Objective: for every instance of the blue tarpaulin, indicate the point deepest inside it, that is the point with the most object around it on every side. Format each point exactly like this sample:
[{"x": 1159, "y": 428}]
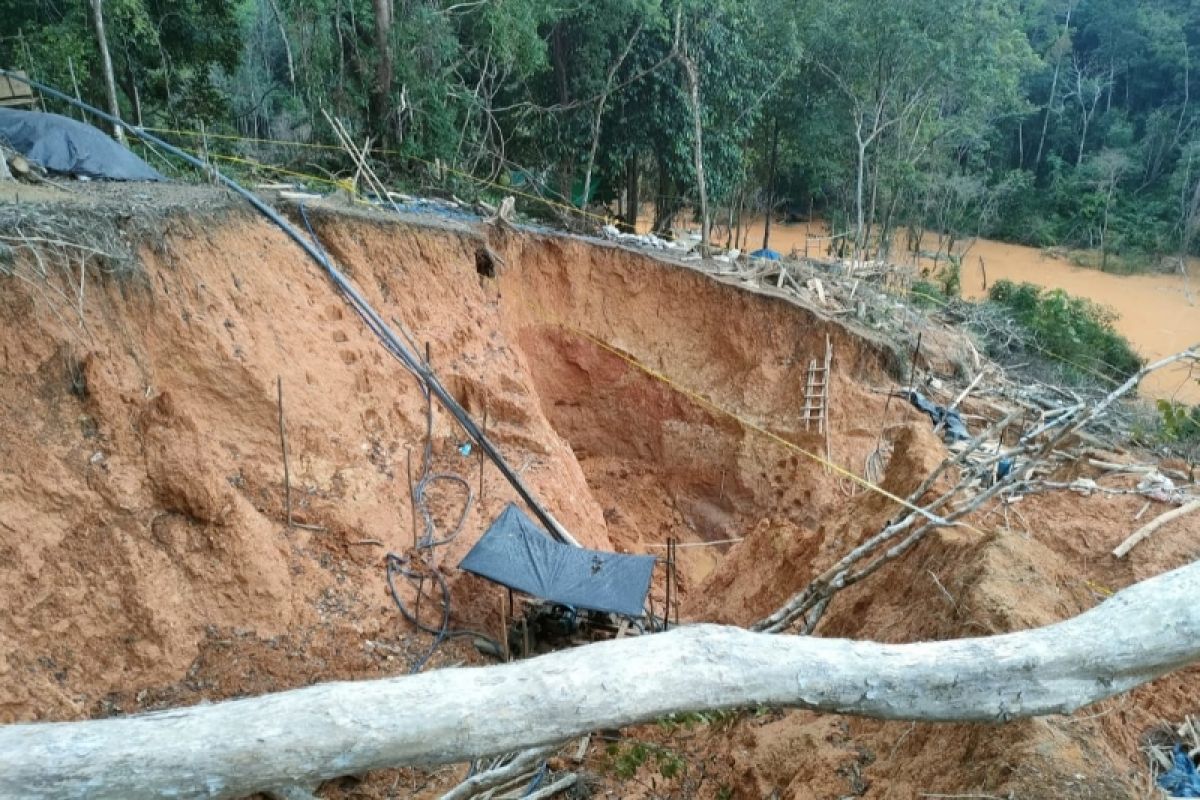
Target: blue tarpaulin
[
  {"x": 516, "y": 553},
  {"x": 769, "y": 255},
  {"x": 69, "y": 147},
  {"x": 1182, "y": 780}
]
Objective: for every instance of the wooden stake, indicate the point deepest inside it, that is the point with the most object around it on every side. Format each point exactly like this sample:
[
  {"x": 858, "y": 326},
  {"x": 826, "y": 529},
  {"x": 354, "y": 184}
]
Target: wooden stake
[
  {"x": 412, "y": 493},
  {"x": 75, "y": 83},
  {"x": 504, "y": 631},
  {"x": 485, "y": 421},
  {"x": 825, "y": 404},
  {"x": 287, "y": 477}
]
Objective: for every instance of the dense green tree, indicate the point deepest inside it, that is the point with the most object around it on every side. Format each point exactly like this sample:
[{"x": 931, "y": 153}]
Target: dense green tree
[{"x": 1068, "y": 122}]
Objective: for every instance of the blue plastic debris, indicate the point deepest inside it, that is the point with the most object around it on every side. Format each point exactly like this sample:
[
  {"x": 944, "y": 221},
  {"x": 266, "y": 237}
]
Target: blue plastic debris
[
  {"x": 1003, "y": 468},
  {"x": 1181, "y": 780},
  {"x": 464, "y": 449},
  {"x": 769, "y": 255}
]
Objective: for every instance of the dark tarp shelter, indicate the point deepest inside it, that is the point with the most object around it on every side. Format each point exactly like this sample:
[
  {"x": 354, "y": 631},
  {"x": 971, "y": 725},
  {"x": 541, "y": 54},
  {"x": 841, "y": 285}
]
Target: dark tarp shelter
[
  {"x": 516, "y": 553},
  {"x": 68, "y": 147}
]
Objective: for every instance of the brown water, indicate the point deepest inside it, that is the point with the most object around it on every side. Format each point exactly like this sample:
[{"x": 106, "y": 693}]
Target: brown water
[{"x": 1159, "y": 314}]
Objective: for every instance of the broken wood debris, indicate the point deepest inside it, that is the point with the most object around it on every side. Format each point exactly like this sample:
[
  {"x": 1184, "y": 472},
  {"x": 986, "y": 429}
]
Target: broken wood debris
[
  {"x": 974, "y": 487},
  {"x": 1149, "y": 528}
]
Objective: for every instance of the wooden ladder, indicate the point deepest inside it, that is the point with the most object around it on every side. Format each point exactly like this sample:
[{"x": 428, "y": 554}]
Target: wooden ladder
[{"x": 816, "y": 394}]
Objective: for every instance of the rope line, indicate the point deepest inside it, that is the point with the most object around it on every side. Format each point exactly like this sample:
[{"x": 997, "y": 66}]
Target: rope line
[
  {"x": 329, "y": 147},
  {"x": 751, "y": 425}
]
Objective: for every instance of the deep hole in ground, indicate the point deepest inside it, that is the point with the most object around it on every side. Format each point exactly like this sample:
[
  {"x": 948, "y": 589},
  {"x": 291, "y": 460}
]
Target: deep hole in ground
[{"x": 141, "y": 497}]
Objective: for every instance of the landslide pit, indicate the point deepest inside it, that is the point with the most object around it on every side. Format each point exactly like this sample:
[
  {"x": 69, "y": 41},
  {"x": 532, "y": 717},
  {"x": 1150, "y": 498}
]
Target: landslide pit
[{"x": 148, "y": 563}]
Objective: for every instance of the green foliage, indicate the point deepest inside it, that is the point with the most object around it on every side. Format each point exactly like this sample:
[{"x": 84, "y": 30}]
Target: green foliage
[
  {"x": 720, "y": 719},
  {"x": 966, "y": 117},
  {"x": 927, "y": 294},
  {"x": 950, "y": 277},
  {"x": 1179, "y": 423},
  {"x": 167, "y": 54},
  {"x": 1076, "y": 332}
]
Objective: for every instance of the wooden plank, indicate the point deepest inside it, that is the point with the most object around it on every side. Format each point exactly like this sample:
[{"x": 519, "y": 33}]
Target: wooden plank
[{"x": 15, "y": 92}]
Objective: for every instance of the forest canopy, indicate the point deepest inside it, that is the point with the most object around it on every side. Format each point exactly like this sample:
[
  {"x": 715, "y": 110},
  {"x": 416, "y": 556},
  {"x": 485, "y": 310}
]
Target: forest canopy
[{"x": 1047, "y": 122}]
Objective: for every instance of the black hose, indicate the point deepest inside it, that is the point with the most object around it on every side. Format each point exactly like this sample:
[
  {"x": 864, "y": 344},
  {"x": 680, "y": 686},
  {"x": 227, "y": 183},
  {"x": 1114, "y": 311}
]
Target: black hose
[{"x": 360, "y": 304}]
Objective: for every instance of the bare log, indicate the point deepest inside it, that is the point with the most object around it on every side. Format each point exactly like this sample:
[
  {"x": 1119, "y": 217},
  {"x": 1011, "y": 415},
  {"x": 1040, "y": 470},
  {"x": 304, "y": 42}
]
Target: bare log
[
  {"x": 1149, "y": 528},
  {"x": 239, "y": 747}
]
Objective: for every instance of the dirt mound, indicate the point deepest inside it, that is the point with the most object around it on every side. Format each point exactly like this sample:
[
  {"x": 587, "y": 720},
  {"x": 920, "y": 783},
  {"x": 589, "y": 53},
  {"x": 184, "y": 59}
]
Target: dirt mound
[{"x": 142, "y": 498}]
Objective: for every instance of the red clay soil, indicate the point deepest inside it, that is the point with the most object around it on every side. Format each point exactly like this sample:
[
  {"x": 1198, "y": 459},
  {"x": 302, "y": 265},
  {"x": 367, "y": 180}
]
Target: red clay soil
[{"x": 149, "y": 563}]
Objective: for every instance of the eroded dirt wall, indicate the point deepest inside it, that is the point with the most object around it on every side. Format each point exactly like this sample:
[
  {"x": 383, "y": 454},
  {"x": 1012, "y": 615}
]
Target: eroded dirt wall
[{"x": 141, "y": 480}]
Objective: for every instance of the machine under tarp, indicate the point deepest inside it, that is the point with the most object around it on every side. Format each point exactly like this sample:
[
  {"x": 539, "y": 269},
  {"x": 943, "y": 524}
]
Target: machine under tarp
[
  {"x": 516, "y": 553},
  {"x": 67, "y": 147}
]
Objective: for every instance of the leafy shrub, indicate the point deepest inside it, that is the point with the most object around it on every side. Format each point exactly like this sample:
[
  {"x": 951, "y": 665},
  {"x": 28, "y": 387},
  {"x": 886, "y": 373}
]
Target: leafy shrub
[
  {"x": 1179, "y": 423},
  {"x": 1072, "y": 330},
  {"x": 950, "y": 277},
  {"x": 926, "y": 294}
]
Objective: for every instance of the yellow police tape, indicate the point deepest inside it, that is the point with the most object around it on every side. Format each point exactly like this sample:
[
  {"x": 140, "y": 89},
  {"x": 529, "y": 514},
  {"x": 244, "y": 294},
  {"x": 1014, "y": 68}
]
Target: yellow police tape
[
  {"x": 316, "y": 146},
  {"x": 750, "y": 425}
]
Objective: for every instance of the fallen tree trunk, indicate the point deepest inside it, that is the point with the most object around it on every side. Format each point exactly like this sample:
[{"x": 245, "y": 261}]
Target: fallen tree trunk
[{"x": 235, "y": 748}]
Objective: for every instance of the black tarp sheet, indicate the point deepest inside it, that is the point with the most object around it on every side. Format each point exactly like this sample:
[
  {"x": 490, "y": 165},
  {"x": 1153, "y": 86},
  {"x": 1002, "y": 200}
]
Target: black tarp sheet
[
  {"x": 68, "y": 147},
  {"x": 516, "y": 553},
  {"x": 956, "y": 429}
]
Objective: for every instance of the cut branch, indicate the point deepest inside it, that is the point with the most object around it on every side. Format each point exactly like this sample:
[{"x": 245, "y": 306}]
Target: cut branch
[
  {"x": 239, "y": 747},
  {"x": 491, "y": 778},
  {"x": 1149, "y": 528}
]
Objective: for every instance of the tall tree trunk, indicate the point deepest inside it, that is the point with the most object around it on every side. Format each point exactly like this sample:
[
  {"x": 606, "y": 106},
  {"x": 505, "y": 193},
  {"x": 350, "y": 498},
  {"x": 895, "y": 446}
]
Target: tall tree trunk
[
  {"x": 558, "y": 57},
  {"x": 381, "y": 91},
  {"x": 599, "y": 113},
  {"x": 876, "y": 166},
  {"x": 632, "y": 200},
  {"x": 693, "y": 80},
  {"x": 287, "y": 45},
  {"x": 1037, "y": 161},
  {"x": 1112, "y": 76},
  {"x": 666, "y": 205},
  {"x": 239, "y": 747},
  {"x": 1087, "y": 118},
  {"x": 860, "y": 179},
  {"x": 110, "y": 82},
  {"x": 772, "y": 161}
]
